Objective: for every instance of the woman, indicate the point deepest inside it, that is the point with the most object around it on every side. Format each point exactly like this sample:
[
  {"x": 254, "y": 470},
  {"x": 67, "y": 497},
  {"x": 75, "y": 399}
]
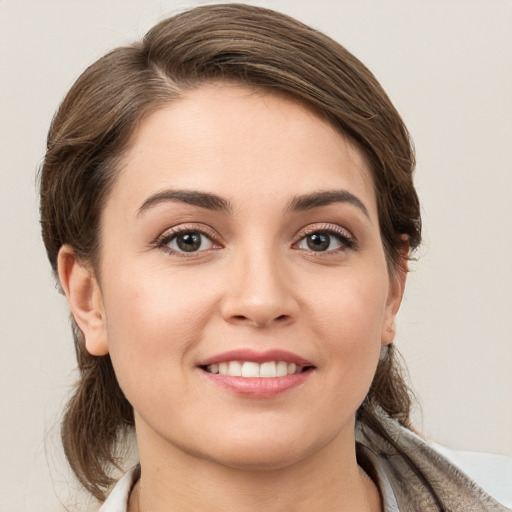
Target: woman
[{"x": 229, "y": 208}]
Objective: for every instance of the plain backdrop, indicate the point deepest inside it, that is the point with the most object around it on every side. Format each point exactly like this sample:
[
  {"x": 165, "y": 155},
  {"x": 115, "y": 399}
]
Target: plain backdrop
[{"x": 446, "y": 64}]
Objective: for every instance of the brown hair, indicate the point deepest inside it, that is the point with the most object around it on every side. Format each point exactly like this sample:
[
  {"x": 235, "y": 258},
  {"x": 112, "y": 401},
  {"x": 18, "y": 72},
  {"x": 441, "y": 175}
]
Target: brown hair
[{"x": 92, "y": 129}]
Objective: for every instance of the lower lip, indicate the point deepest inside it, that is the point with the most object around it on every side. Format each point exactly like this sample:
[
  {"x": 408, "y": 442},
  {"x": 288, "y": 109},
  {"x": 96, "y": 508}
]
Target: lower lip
[{"x": 258, "y": 387}]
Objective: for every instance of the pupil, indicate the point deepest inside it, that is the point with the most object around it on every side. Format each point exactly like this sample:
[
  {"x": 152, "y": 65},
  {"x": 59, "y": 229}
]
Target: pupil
[
  {"x": 189, "y": 242},
  {"x": 318, "y": 241}
]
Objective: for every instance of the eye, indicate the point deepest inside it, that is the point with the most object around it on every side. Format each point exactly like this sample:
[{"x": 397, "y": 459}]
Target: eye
[
  {"x": 325, "y": 241},
  {"x": 186, "y": 241}
]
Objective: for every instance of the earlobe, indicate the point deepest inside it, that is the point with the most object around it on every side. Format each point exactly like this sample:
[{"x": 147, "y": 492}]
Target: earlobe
[{"x": 85, "y": 300}]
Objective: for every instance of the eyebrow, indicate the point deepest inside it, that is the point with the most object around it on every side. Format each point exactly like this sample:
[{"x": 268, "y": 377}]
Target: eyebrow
[
  {"x": 325, "y": 198},
  {"x": 218, "y": 203},
  {"x": 192, "y": 197}
]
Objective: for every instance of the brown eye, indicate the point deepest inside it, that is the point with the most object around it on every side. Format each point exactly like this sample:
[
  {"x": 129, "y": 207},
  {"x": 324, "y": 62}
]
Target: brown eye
[
  {"x": 324, "y": 241},
  {"x": 189, "y": 241},
  {"x": 318, "y": 241}
]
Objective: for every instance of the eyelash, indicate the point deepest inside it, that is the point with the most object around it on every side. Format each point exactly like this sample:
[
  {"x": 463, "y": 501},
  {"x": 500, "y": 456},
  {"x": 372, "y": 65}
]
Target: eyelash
[
  {"x": 341, "y": 235},
  {"x": 166, "y": 238}
]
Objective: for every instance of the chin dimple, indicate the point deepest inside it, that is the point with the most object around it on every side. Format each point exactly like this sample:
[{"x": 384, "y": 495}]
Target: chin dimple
[{"x": 251, "y": 369}]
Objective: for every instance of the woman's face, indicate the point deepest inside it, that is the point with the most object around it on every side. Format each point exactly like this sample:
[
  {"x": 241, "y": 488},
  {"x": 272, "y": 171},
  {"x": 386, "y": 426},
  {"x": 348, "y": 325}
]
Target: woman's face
[{"x": 242, "y": 239}]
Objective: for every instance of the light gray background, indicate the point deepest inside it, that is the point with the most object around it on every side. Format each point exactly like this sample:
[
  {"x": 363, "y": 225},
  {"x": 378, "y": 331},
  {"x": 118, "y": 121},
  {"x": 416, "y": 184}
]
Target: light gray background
[{"x": 447, "y": 66}]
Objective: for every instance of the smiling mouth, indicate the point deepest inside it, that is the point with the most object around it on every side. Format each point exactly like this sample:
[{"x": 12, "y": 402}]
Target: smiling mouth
[{"x": 251, "y": 369}]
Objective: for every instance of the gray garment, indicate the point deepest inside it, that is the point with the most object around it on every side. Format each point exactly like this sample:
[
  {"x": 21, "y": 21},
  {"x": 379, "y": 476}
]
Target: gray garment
[
  {"x": 410, "y": 474},
  {"x": 413, "y": 477}
]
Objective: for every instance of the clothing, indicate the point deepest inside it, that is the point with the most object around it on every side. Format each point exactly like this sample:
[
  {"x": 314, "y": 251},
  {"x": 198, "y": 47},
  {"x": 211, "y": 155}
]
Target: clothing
[{"x": 411, "y": 474}]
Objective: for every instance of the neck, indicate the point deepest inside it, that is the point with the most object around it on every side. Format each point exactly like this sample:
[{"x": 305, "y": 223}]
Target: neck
[{"x": 328, "y": 480}]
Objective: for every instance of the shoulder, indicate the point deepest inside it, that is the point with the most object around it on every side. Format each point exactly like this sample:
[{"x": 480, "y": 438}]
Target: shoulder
[
  {"x": 490, "y": 471},
  {"x": 427, "y": 476}
]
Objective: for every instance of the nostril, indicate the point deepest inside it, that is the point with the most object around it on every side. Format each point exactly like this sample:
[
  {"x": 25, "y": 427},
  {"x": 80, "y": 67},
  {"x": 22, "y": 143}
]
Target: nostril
[{"x": 281, "y": 319}]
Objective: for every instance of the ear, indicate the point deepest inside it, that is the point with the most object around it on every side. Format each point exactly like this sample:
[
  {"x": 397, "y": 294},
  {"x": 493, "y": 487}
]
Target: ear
[
  {"x": 85, "y": 300},
  {"x": 397, "y": 281}
]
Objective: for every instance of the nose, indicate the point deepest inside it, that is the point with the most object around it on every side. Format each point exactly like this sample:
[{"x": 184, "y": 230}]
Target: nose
[{"x": 259, "y": 292}]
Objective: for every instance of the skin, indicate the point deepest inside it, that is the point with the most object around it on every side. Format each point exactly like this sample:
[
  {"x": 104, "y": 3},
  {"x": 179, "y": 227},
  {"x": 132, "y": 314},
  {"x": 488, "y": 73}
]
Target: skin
[{"x": 256, "y": 285}]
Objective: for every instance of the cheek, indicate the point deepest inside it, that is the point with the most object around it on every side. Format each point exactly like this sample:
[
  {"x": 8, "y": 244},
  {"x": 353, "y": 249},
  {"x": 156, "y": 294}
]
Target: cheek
[
  {"x": 352, "y": 308},
  {"x": 153, "y": 324},
  {"x": 348, "y": 322},
  {"x": 153, "y": 301}
]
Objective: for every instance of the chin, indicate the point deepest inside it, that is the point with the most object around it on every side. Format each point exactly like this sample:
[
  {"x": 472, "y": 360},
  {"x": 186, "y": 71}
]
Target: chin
[
  {"x": 264, "y": 450},
  {"x": 257, "y": 458}
]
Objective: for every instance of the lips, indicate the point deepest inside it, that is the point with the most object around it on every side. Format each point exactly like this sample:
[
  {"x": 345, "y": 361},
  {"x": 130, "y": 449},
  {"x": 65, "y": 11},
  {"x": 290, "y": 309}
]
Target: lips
[
  {"x": 257, "y": 374},
  {"x": 251, "y": 369},
  {"x": 256, "y": 357}
]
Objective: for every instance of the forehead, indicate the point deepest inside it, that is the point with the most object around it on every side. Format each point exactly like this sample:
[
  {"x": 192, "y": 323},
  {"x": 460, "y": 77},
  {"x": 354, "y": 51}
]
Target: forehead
[{"x": 235, "y": 141}]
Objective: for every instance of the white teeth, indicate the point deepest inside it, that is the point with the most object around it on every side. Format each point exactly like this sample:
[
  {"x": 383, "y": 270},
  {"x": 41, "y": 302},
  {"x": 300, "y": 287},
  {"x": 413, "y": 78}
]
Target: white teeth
[
  {"x": 282, "y": 368},
  {"x": 268, "y": 369},
  {"x": 235, "y": 369},
  {"x": 223, "y": 368},
  {"x": 251, "y": 369}
]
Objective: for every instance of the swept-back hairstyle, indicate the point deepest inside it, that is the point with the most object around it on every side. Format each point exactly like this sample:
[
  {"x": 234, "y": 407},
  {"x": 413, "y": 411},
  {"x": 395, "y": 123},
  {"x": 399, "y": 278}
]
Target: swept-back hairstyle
[{"x": 93, "y": 128}]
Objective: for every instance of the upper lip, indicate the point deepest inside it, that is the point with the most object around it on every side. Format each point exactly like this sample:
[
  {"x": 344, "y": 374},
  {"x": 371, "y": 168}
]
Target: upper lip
[{"x": 256, "y": 356}]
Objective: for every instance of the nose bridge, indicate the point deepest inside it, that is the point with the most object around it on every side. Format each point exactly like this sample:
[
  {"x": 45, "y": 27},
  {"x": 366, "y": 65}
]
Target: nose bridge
[{"x": 260, "y": 290}]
